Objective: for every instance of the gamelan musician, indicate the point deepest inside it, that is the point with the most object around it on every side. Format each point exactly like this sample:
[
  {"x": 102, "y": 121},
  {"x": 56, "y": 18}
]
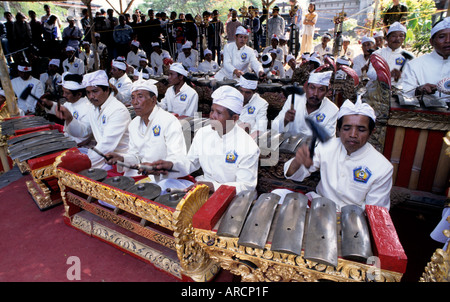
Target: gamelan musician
[
  {"x": 226, "y": 154},
  {"x": 154, "y": 133},
  {"x": 423, "y": 74},
  {"x": 313, "y": 103},
  {"x": 352, "y": 171},
  {"x": 108, "y": 121}
]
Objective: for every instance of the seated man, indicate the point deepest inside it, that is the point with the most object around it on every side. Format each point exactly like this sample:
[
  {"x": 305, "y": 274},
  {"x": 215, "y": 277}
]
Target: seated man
[
  {"x": 135, "y": 54},
  {"x": 226, "y": 154},
  {"x": 275, "y": 48},
  {"x": 51, "y": 79},
  {"x": 157, "y": 58},
  {"x": 154, "y": 133},
  {"x": 73, "y": 64},
  {"x": 352, "y": 171},
  {"x": 323, "y": 48},
  {"x": 421, "y": 75},
  {"x": 361, "y": 60},
  {"x": 238, "y": 58},
  {"x": 313, "y": 104},
  {"x": 188, "y": 57},
  {"x": 254, "y": 112},
  {"x": 272, "y": 66},
  {"x": 77, "y": 106},
  {"x": 21, "y": 82},
  {"x": 208, "y": 65},
  {"x": 291, "y": 65},
  {"x": 180, "y": 98},
  {"x": 108, "y": 122},
  {"x": 120, "y": 80}
]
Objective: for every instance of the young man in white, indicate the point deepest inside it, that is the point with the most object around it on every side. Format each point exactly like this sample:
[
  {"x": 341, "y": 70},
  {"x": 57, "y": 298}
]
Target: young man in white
[
  {"x": 188, "y": 57},
  {"x": 157, "y": 58},
  {"x": 208, "y": 65},
  {"x": 226, "y": 154},
  {"x": 352, "y": 171},
  {"x": 180, "y": 98},
  {"x": 120, "y": 80},
  {"x": 154, "y": 133},
  {"x": 21, "y": 82},
  {"x": 313, "y": 104},
  {"x": 108, "y": 121},
  {"x": 73, "y": 64}
]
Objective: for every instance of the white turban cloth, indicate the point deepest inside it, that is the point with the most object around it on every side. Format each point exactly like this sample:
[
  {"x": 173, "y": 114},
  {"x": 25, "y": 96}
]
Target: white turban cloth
[
  {"x": 247, "y": 84},
  {"x": 241, "y": 31},
  {"x": 54, "y": 62},
  {"x": 96, "y": 78},
  {"x": 71, "y": 85},
  {"x": 142, "y": 84},
  {"x": 367, "y": 39},
  {"x": 320, "y": 78},
  {"x": 120, "y": 65},
  {"x": 289, "y": 57},
  {"x": 348, "y": 108},
  {"x": 24, "y": 68},
  {"x": 396, "y": 26},
  {"x": 444, "y": 24},
  {"x": 228, "y": 97},
  {"x": 178, "y": 67}
]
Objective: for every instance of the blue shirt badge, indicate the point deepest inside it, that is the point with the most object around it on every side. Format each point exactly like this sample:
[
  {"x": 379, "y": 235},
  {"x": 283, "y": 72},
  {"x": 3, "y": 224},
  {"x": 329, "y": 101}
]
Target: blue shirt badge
[
  {"x": 231, "y": 157},
  {"x": 183, "y": 97},
  {"x": 103, "y": 119},
  {"x": 75, "y": 115},
  {"x": 399, "y": 60},
  {"x": 251, "y": 110},
  {"x": 156, "y": 130},
  {"x": 362, "y": 174},
  {"x": 243, "y": 56},
  {"x": 320, "y": 117}
]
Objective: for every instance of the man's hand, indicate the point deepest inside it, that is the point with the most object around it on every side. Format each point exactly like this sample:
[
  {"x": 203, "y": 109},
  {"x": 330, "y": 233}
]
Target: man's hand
[
  {"x": 302, "y": 158},
  {"x": 237, "y": 73},
  {"x": 396, "y": 74},
  {"x": 158, "y": 167},
  {"x": 426, "y": 89},
  {"x": 64, "y": 114},
  {"x": 289, "y": 116},
  {"x": 113, "y": 158}
]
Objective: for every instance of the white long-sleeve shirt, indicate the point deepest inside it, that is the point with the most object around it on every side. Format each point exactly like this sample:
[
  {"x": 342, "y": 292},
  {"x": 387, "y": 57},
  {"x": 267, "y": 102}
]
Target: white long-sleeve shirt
[
  {"x": 325, "y": 116},
  {"x": 183, "y": 103},
  {"x": 157, "y": 61},
  {"x": 242, "y": 59},
  {"x": 228, "y": 160},
  {"x": 189, "y": 62},
  {"x": 77, "y": 66},
  {"x": 162, "y": 138},
  {"x": 206, "y": 66},
  {"x": 109, "y": 125},
  {"x": 123, "y": 85},
  {"x": 428, "y": 68},
  {"x": 255, "y": 113},
  {"x": 19, "y": 86},
  {"x": 363, "y": 177}
]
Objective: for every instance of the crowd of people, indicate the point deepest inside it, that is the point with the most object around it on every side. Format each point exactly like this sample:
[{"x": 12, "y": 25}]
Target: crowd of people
[{"x": 114, "y": 63}]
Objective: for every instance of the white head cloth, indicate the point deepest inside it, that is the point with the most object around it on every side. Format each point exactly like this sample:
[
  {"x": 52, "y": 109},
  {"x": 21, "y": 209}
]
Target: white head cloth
[
  {"x": 136, "y": 73},
  {"x": 24, "y": 68},
  {"x": 207, "y": 51},
  {"x": 266, "y": 59},
  {"x": 71, "y": 85},
  {"x": 120, "y": 65},
  {"x": 396, "y": 26},
  {"x": 367, "y": 39},
  {"x": 186, "y": 45},
  {"x": 348, "y": 108},
  {"x": 178, "y": 67},
  {"x": 289, "y": 57},
  {"x": 54, "y": 62},
  {"x": 135, "y": 43},
  {"x": 378, "y": 34},
  {"x": 274, "y": 36},
  {"x": 70, "y": 48},
  {"x": 241, "y": 31},
  {"x": 313, "y": 57},
  {"x": 320, "y": 78},
  {"x": 444, "y": 24},
  {"x": 155, "y": 44},
  {"x": 142, "y": 84},
  {"x": 343, "y": 61},
  {"x": 247, "y": 84},
  {"x": 228, "y": 97},
  {"x": 96, "y": 78}
]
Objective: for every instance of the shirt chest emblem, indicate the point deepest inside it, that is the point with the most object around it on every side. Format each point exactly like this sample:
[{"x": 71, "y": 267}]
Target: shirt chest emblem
[
  {"x": 399, "y": 61},
  {"x": 183, "y": 97},
  {"x": 244, "y": 56},
  {"x": 361, "y": 174},
  {"x": 251, "y": 110},
  {"x": 103, "y": 119},
  {"x": 320, "y": 117},
  {"x": 156, "y": 130},
  {"x": 231, "y": 157},
  {"x": 75, "y": 115}
]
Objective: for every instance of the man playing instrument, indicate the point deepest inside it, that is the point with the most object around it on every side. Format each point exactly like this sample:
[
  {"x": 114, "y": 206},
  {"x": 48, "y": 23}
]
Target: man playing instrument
[{"x": 352, "y": 171}]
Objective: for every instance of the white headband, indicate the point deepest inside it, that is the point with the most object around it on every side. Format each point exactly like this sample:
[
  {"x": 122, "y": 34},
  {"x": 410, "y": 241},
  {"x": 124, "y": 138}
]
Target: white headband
[
  {"x": 96, "y": 78},
  {"x": 186, "y": 45},
  {"x": 54, "y": 62},
  {"x": 135, "y": 43},
  {"x": 207, "y": 51},
  {"x": 348, "y": 108},
  {"x": 71, "y": 85},
  {"x": 142, "y": 84},
  {"x": 444, "y": 24},
  {"x": 396, "y": 26},
  {"x": 367, "y": 39},
  {"x": 267, "y": 59},
  {"x": 178, "y": 67},
  {"x": 228, "y": 97},
  {"x": 24, "y": 68},
  {"x": 320, "y": 78},
  {"x": 241, "y": 31},
  {"x": 120, "y": 65},
  {"x": 343, "y": 61},
  {"x": 247, "y": 84},
  {"x": 289, "y": 57}
]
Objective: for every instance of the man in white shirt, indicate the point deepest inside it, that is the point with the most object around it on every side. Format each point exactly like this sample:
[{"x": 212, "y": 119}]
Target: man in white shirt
[
  {"x": 77, "y": 106},
  {"x": 188, "y": 57},
  {"x": 208, "y": 65},
  {"x": 238, "y": 58},
  {"x": 226, "y": 154},
  {"x": 135, "y": 54},
  {"x": 51, "y": 79},
  {"x": 108, "y": 121},
  {"x": 272, "y": 67},
  {"x": 362, "y": 60},
  {"x": 120, "y": 80},
  {"x": 73, "y": 64},
  {"x": 346, "y": 50},
  {"x": 323, "y": 48},
  {"x": 154, "y": 133},
  {"x": 423, "y": 74},
  {"x": 291, "y": 65},
  {"x": 21, "y": 82},
  {"x": 87, "y": 56},
  {"x": 157, "y": 58},
  {"x": 352, "y": 171},
  {"x": 254, "y": 113},
  {"x": 274, "y": 46},
  {"x": 180, "y": 98},
  {"x": 393, "y": 54},
  {"x": 313, "y": 104}
]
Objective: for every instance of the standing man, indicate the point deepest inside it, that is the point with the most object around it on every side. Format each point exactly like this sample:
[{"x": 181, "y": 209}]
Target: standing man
[
  {"x": 215, "y": 32},
  {"x": 232, "y": 26},
  {"x": 313, "y": 104},
  {"x": 208, "y": 65},
  {"x": 72, "y": 34},
  {"x": 352, "y": 171},
  {"x": 180, "y": 98},
  {"x": 275, "y": 24},
  {"x": 122, "y": 37},
  {"x": 398, "y": 12}
]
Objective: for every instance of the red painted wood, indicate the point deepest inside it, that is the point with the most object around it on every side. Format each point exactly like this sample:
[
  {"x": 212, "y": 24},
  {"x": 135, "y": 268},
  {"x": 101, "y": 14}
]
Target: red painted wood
[
  {"x": 208, "y": 215},
  {"x": 407, "y": 157},
  {"x": 386, "y": 244},
  {"x": 431, "y": 158},
  {"x": 389, "y": 142}
]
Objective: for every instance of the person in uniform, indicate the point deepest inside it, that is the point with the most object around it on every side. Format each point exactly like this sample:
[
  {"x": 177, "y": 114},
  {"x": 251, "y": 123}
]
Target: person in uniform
[
  {"x": 274, "y": 46},
  {"x": 21, "y": 82},
  {"x": 254, "y": 113},
  {"x": 108, "y": 121},
  {"x": 180, "y": 98},
  {"x": 272, "y": 67},
  {"x": 323, "y": 48},
  {"x": 226, "y": 154},
  {"x": 423, "y": 74},
  {"x": 393, "y": 53},
  {"x": 157, "y": 58},
  {"x": 87, "y": 55},
  {"x": 312, "y": 104},
  {"x": 77, "y": 106},
  {"x": 352, "y": 171},
  {"x": 154, "y": 133},
  {"x": 73, "y": 64},
  {"x": 379, "y": 39},
  {"x": 188, "y": 57},
  {"x": 120, "y": 80},
  {"x": 346, "y": 50},
  {"x": 238, "y": 58},
  {"x": 135, "y": 53},
  {"x": 208, "y": 65},
  {"x": 51, "y": 79},
  {"x": 361, "y": 60},
  {"x": 291, "y": 65}
]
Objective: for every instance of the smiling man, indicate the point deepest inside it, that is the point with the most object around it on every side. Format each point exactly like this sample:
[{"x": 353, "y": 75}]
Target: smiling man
[
  {"x": 352, "y": 171},
  {"x": 226, "y": 154},
  {"x": 313, "y": 103}
]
